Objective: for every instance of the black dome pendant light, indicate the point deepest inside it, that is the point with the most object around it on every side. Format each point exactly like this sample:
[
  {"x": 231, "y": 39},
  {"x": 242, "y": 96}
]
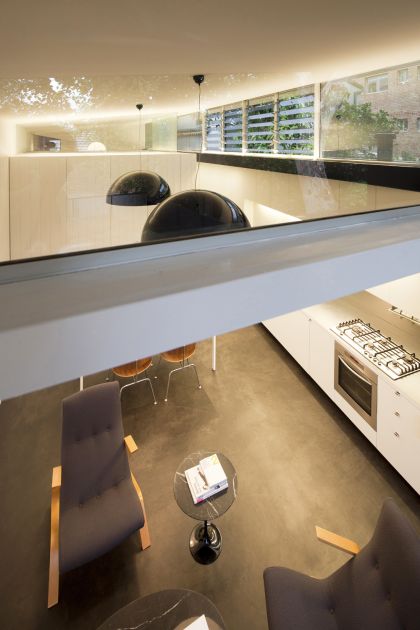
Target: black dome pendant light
[
  {"x": 195, "y": 211},
  {"x": 138, "y": 188}
]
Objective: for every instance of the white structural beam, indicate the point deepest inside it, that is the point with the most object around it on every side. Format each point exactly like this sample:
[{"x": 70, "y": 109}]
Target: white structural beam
[{"x": 56, "y": 327}]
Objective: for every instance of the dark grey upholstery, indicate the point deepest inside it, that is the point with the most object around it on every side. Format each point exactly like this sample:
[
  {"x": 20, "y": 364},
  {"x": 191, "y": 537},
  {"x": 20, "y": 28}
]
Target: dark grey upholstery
[
  {"x": 379, "y": 589},
  {"x": 99, "y": 506}
]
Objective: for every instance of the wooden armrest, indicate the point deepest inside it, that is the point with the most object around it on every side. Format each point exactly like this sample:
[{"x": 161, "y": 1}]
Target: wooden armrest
[
  {"x": 56, "y": 477},
  {"x": 345, "y": 544},
  {"x": 130, "y": 444}
]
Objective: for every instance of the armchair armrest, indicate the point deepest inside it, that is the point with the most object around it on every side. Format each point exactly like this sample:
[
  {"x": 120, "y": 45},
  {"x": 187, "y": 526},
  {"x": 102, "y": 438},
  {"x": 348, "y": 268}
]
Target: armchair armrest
[
  {"x": 56, "y": 477},
  {"x": 130, "y": 444},
  {"x": 54, "y": 538},
  {"x": 345, "y": 544}
]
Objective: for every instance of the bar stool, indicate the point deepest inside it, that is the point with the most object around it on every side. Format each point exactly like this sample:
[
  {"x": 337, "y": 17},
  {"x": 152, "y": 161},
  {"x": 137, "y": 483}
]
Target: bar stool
[
  {"x": 133, "y": 370},
  {"x": 182, "y": 356}
]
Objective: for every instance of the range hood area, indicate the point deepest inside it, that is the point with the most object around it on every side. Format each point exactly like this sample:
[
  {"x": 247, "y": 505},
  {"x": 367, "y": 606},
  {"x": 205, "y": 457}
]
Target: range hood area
[{"x": 403, "y": 295}]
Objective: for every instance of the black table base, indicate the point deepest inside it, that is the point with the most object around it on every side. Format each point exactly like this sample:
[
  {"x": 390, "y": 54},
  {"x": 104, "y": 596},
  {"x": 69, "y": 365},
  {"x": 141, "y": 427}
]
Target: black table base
[{"x": 205, "y": 543}]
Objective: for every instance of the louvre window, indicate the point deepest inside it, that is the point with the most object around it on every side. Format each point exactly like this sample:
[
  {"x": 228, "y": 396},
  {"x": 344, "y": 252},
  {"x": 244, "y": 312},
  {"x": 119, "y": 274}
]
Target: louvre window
[
  {"x": 296, "y": 123},
  {"x": 232, "y": 131},
  {"x": 214, "y": 131},
  {"x": 260, "y": 127}
]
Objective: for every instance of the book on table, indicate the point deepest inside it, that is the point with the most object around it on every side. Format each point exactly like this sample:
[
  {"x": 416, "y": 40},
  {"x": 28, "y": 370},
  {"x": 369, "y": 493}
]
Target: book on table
[
  {"x": 206, "y": 479},
  {"x": 198, "y": 624},
  {"x": 213, "y": 471}
]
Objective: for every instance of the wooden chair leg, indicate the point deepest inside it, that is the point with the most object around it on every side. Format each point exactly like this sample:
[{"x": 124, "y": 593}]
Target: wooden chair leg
[
  {"x": 54, "y": 575},
  {"x": 144, "y": 531}
]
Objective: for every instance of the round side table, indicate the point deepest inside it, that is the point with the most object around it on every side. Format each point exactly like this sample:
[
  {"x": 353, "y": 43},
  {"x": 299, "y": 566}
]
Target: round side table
[
  {"x": 166, "y": 610},
  {"x": 206, "y": 538}
]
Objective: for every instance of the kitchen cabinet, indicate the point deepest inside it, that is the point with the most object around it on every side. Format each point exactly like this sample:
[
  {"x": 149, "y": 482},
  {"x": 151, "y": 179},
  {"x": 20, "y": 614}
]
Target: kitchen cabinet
[
  {"x": 321, "y": 369},
  {"x": 292, "y": 330},
  {"x": 321, "y": 357},
  {"x": 311, "y": 343},
  {"x": 398, "y": 431}
]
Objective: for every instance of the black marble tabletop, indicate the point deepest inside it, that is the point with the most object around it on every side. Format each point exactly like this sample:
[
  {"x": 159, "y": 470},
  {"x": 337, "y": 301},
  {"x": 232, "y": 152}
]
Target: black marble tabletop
[
  {"x": 216, "y": 505},
  {"x": 165, "y": 610}
]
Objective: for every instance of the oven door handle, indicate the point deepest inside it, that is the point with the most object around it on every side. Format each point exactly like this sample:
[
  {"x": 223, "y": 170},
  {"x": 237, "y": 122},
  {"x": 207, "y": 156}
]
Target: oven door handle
[{"x": 365, "y": 380}]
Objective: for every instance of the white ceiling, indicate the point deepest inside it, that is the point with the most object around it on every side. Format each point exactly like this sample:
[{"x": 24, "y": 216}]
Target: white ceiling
[{"x": 245, "y": 49}]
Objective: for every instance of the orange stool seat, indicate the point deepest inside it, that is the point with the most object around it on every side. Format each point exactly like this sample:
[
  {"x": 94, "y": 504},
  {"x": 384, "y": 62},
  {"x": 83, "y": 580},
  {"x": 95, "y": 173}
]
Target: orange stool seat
[
  {"x": 177, "y": 355},
  {"x": 129, "y": 370}
]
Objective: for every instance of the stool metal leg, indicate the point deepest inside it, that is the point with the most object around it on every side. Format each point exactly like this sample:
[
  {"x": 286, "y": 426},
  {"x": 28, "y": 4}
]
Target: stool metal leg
[
  {"x": 136, "y": 382},
  {"x": 169, "y": 381},
  {"x": 183, "y": 367},
  {"x": 151, "y": 387},
  {"x": 196, "y": 373}
]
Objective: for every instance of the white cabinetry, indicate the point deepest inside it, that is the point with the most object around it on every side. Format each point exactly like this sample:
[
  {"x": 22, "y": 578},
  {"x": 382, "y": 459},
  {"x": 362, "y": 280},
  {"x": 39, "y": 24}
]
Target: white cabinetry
[
  {"x": 292, "y": 330},
  {"x": 398, "y": 437},
  {"x": 321, "y": 357},
  {"x": 398, "y": 419}
]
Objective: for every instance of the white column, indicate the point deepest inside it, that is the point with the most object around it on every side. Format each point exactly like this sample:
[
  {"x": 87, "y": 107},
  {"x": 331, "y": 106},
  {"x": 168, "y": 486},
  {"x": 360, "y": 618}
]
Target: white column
[{"x": 213, "y": 354}]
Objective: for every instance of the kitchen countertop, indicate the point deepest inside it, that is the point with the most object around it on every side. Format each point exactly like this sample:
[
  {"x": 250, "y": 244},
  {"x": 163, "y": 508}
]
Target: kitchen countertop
[{"x": 373, "y": 310}]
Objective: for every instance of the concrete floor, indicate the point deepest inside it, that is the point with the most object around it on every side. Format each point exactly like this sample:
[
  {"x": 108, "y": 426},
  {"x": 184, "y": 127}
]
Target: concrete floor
[{"x": 300, "y": 462}]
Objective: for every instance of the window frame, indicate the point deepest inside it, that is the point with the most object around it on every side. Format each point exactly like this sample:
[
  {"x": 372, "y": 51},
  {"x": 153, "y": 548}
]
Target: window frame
[
  {"x": 404, "y": 81},
  {"x": 377, "y": 79}
]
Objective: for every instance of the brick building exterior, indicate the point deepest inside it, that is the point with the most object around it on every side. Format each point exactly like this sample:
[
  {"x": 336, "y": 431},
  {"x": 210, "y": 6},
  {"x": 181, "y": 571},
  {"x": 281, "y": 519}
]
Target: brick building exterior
[{"x": 397, "y": 91}]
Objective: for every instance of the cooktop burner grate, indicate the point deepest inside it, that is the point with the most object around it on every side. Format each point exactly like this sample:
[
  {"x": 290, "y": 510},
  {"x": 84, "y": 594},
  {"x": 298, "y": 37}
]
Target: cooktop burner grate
[{"x": 382, "y": 351}]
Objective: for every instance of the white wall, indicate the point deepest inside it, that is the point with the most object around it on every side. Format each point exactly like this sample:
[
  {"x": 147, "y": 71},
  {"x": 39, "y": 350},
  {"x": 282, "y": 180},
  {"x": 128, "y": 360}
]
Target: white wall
[
  {"x": 7, "y": 148},
  {"x": 57, "y": 202},
  {"x": 403, "y": 293},
  {"x": 298, "y": 195}
]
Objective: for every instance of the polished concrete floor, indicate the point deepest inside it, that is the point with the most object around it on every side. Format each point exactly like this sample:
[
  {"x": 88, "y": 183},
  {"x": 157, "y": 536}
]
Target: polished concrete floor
[{"x": 300, "y": 462}]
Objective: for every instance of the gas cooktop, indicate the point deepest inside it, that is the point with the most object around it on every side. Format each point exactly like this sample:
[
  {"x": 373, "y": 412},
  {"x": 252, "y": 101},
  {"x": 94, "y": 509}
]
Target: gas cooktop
[{"x": 388, "y": 356}]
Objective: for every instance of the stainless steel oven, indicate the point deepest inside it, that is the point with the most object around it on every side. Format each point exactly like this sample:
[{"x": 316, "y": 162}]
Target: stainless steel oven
[{"x": 356, "y": 383}]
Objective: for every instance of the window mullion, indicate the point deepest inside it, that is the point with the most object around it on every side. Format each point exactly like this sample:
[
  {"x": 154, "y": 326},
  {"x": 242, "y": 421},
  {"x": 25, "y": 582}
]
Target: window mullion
[
  {"x": 276, "y": 124},
  {"x": 317, "y": 121},
  {"x": 244, "y": 127}
]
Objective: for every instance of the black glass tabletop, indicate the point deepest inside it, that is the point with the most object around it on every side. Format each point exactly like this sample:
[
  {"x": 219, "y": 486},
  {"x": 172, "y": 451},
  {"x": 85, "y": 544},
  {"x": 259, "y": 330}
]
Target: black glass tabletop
[
  {"x": 165, "y": 610},
  {"x": 217, "y": 504}
]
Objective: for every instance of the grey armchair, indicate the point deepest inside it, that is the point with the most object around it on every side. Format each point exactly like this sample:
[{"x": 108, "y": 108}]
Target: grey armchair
[
  {"x": 377, "y": 589},
  {"x": 96, "y": 501}
]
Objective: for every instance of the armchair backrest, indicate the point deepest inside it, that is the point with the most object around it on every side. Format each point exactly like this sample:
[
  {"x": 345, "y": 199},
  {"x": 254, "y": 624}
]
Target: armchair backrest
[
  {"x": 93, "y": 455},
  {"x": 395, "y": 550},
  {"x": 380, "y": 587}
]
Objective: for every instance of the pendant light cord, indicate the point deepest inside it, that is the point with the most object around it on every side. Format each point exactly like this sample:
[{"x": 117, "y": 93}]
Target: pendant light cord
[
  {"x": 201, "y": 136},
  {"x": 139, "y": 139}
]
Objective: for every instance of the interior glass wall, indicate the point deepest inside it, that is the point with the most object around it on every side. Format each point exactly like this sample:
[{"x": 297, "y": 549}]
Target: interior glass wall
[
  {"x": 373, "y": 117},
  {"x": 65, "y": 140}
]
